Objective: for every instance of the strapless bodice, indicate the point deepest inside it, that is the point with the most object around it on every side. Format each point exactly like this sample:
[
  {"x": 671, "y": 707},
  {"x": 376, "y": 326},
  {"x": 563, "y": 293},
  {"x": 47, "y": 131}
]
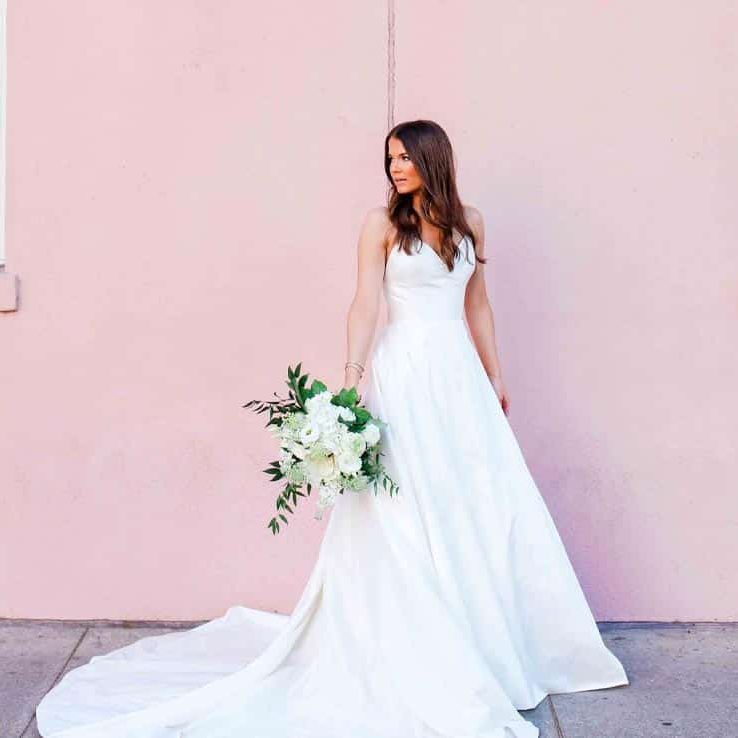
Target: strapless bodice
[{"x": 419, "y": 286}]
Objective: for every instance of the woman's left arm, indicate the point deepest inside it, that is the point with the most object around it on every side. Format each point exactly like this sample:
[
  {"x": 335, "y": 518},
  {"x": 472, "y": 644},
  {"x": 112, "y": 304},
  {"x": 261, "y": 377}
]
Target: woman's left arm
[{"x": 479, "y": 315}]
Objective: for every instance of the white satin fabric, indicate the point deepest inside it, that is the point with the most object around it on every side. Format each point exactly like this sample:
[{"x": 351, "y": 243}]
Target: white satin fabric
[{"x": 437, "y": 613}]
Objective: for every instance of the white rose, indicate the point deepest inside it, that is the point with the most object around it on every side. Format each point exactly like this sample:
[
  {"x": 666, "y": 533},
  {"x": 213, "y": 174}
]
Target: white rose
[
  {"x": 321, "y": 468},
  {"x": 349, "y": 463},
  {"x": 371, "y": 434}
]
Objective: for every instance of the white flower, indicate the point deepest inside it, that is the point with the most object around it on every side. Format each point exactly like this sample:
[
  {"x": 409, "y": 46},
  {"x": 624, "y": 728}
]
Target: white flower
[
  {"x": 322, "y": 413},
  {"x": 333, "y": 442},
  {"x": 346, "y": 413},
  {"x": 297, "y": 449},
  {"x": 286, "y": 459},
  {"x": 310, "y": 434},
  {"x": 349, "y": 463},
  {"x": 353, "y": 443},
  {"x": 371, "y": 434},
  {"x": 292, "y": 423},
  {"x": 356, "y": 482},
  {"x": 314, "y": 403},
  {"x": 326, "y": 419},
  {"x": 321, "y": 468},
  {"x": 327, "y": 494}
]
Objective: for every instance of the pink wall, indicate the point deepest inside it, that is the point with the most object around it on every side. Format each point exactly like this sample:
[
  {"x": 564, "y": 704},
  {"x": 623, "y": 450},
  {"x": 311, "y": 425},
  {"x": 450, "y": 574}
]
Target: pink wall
[{"x": 185, "y": 187}]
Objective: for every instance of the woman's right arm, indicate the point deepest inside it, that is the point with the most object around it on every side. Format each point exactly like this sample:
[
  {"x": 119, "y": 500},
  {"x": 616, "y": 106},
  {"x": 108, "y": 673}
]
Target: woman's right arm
[{"x": 362, "y": 314}]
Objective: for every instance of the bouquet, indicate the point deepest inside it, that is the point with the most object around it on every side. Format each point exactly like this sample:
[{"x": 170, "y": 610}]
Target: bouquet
[{"x": 329, "y": 441}]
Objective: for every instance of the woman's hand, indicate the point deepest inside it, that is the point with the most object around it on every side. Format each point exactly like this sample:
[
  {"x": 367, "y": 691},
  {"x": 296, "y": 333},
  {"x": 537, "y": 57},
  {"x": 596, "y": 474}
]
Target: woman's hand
[{"x": 501, "y": 392}]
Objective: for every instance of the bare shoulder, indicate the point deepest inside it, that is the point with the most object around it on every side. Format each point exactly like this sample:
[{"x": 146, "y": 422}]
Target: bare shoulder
[
  {"x": 377, "y": 218},
  {"x": 376, "y": 227}
]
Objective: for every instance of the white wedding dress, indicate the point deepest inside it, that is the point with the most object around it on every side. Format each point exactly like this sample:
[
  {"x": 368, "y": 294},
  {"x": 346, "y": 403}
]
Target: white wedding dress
[{"x": 435, "y": 613}]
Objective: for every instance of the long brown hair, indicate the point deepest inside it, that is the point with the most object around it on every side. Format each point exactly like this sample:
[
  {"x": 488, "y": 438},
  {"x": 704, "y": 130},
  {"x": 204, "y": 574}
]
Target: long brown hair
[{"x": 430, "y": 150}]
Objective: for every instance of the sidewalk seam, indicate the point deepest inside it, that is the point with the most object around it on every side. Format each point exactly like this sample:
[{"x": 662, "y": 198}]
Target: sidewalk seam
[
  {"x": 56, "y": 678},
  {"x": 557, "y": 724}
]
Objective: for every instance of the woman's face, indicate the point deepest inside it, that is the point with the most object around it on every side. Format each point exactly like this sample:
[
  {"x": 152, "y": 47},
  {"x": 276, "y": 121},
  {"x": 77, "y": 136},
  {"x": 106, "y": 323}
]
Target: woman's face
[{"x": 402, "y": 170}]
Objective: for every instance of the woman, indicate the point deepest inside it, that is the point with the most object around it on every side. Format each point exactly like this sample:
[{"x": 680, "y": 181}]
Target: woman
[{"x": 435, "y": 613}]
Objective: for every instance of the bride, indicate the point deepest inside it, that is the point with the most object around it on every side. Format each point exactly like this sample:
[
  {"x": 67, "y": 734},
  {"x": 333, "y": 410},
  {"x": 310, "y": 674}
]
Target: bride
[{"x": 438, "y": 612}]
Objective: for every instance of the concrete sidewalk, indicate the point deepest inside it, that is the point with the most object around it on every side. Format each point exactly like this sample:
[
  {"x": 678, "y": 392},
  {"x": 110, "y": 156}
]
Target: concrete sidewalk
[{"x": 684, "y": 677}]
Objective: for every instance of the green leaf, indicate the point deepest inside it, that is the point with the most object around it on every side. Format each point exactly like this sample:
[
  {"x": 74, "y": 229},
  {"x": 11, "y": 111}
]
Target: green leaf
[
  {"x": 317, "y": 387},
  {"x": 346, "y": 397}
]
